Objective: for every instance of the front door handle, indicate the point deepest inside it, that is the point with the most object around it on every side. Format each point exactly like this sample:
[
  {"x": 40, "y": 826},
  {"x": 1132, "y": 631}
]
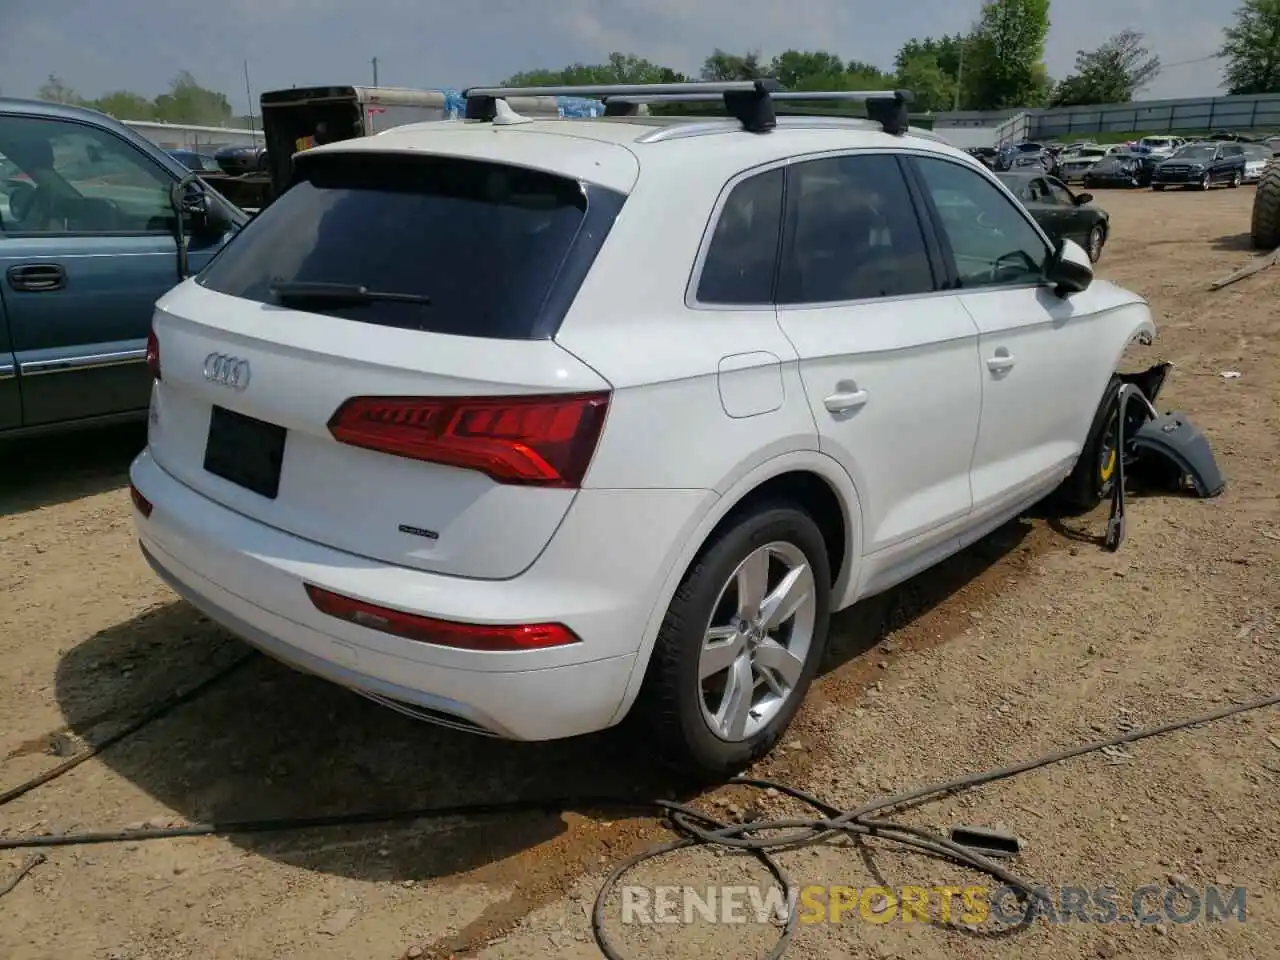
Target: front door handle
[
  {"x": 845, "y": 400},
  {"x": 1002, "y": 361},
  {"x": 37, "y": 277}
]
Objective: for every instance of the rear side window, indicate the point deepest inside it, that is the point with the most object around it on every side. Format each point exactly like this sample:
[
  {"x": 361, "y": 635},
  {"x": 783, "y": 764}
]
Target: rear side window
[
  {"x": 439, "y": 244},
  {"x": 743, "y": 255}
]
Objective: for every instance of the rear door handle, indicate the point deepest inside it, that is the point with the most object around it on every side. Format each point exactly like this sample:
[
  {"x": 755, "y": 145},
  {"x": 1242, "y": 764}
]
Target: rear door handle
[
  {"x": 37, "y": 277},
  {"x": 1002, "y": 361},
  {"x": 845, "y": 401}
]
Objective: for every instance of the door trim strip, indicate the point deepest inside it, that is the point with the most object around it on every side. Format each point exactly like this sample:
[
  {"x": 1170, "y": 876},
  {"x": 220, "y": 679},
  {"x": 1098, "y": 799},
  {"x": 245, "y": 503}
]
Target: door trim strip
[{"x": 88, "y": 361}]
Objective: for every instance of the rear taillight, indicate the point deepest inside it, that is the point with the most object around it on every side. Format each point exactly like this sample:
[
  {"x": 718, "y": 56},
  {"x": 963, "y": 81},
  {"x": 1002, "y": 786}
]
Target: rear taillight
[
  {"x": 153, "y": 355},
  {"x": 139, "y": 501},
  {"x": 462, "y": 636},
  {"x": 543, "y": 441}
]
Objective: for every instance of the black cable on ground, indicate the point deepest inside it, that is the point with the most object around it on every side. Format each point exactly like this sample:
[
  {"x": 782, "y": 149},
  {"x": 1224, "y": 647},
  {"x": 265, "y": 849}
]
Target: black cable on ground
[
  {"x": 695, "y": 826},
  {"x": 150, "y": 715},
  {"x": 28, "y": 865}
]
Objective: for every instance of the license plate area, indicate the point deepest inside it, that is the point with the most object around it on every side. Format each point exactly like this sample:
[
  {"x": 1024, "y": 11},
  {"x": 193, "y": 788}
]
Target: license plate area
[{"x": 245, "y": 451}]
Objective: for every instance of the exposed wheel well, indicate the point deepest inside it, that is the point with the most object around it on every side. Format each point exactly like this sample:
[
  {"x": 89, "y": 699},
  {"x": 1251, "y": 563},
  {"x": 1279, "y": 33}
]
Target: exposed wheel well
[{"x": 809, "y": 492}]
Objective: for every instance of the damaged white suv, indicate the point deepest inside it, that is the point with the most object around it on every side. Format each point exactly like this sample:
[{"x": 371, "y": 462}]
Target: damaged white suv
[{"x": 520, "y": 426}]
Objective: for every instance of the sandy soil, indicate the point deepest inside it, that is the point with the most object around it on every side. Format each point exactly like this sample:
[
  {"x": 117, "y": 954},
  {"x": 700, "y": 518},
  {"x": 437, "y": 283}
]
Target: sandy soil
[{"x": 1032, "y": 640}]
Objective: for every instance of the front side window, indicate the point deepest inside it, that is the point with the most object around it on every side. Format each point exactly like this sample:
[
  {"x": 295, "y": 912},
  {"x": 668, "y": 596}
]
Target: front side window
[
  {"x": 1060, "y": 195},
  {"x": 992, "y": 241},
  {"x": 742, "y": 258},
  {"x": 852, "y": 233},
  {"x": 71, "y": 178}
]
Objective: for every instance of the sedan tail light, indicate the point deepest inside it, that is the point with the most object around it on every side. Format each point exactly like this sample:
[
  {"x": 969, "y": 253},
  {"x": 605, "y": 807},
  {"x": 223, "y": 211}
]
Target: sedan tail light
[
  {"x": 545, "y": 441},
  {"x": 462, "y": 636}
]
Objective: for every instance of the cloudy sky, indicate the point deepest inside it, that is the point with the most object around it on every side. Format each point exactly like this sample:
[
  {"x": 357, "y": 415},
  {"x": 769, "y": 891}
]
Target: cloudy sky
[{"x": 102, "y": 45}]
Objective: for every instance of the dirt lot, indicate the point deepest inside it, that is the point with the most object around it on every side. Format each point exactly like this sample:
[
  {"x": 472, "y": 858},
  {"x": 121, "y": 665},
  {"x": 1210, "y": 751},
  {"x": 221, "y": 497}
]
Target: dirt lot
[{"x": 1034, "y": 639}]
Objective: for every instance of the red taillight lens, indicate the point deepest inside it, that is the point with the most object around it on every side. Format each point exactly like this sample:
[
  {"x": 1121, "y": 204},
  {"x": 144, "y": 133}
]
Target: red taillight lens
[
  {"x": 139, "y": 501},
  {"x": 463, "y": 636},
  {"x": 542, "y": 441},
  {"x": 153, "y": 355}
]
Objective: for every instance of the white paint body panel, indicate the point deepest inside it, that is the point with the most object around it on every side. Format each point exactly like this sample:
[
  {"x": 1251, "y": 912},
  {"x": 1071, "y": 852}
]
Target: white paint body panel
[{"x": 706, "y": 404}]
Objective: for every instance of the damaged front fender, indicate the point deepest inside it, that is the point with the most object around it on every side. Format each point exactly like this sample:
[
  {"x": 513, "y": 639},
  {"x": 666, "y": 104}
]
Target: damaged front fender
[{"x": 1149, "y": 381}]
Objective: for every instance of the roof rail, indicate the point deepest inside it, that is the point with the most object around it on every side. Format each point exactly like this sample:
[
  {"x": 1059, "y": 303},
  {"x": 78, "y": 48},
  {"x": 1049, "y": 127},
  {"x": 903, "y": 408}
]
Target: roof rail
[{"x": 750, "y": 102}]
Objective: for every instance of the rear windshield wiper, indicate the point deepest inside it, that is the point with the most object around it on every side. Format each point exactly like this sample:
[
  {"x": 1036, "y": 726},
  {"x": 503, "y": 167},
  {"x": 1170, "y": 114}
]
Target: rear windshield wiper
[{"x": 342, "y": 293}]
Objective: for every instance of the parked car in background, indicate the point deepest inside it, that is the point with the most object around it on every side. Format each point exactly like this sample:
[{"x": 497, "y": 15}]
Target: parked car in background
[
  {"x": 199, "y": 162},
  {"x": 1121, "y": 169},
  {"x": 237, "y": 161},
  {"x": 1202, "y": 165},
  {"x": 88, "y": 234},
  {"x": 397, "y": 473},
  {"x": 1062, "y": 214},
  {"x": 1073, "y": 167},
  {"x": 1025, "y": 155},
  {"x": 984, "y": 155},
  {"x": 1160, "y": 146},
  {"x": 1256, "y": 158}
]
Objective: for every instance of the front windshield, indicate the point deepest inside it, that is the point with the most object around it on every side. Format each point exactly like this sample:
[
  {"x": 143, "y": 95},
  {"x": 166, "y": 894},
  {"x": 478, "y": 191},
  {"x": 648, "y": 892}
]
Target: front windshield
[{"x": 1199, "y": 152}]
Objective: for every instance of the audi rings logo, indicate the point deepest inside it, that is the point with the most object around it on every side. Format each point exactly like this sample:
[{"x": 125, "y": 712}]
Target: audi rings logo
[{"x": 226, "y": 371}]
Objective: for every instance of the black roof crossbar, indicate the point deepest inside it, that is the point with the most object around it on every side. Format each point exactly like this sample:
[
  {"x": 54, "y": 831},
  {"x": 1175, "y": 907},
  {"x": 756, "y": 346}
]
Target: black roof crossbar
[{"x": 750, "y": 102}]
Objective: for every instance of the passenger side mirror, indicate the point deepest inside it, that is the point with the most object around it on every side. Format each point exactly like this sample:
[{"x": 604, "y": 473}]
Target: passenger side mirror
[
  {"x": 205, "y": 215},
  {"x": 1083, "y": 198},
  {"x": 1069, "y": 269}
]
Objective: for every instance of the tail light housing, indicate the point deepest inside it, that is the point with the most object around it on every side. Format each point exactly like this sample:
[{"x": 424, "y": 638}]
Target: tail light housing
[
  {"x": 444, "y": 633},
  {"x": 545, "y": 441},
  {"x": 139, "y": 501},
  {"x": 153, "y": 354}
]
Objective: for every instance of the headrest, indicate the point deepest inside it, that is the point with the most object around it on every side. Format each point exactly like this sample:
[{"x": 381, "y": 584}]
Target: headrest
[{"x": 28, "y": 154}]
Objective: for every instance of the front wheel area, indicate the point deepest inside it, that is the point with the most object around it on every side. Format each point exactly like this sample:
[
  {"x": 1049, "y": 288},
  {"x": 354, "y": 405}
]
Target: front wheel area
[
  {"x": 1094, "y": 474},
  {"x": 740, "y": 643},
  {"x": 1097, "y": 239}
]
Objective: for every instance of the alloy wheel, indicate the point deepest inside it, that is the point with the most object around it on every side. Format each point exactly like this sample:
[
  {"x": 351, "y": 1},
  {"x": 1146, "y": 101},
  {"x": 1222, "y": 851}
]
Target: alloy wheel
[
  {"x": 1095, "y": 243},
  {"x": 757, "y": 641}
]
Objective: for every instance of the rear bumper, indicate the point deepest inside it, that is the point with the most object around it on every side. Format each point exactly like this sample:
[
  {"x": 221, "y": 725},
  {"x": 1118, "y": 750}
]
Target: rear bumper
[{"x": 602, "y": 582}]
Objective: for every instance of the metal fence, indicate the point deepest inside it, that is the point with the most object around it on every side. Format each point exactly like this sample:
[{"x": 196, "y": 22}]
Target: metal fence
[
  {"x": 1260, "y": 112},
  {"x": 179, "y": 136}
]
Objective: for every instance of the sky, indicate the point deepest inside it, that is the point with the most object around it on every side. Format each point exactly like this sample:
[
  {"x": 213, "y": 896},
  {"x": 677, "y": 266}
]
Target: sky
[{"x": 96, "y": 46}]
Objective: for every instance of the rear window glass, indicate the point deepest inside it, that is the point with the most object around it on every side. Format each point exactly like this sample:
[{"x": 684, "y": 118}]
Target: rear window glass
[{"x": 470, "y": 248}]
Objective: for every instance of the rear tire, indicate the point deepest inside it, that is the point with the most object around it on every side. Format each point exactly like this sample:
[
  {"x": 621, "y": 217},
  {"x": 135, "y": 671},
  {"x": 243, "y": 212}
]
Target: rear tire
[
  {"x": 1094, "y": 474},
  {"x": 1265, "y": 228},
  {"x": 682, "y": 702}
]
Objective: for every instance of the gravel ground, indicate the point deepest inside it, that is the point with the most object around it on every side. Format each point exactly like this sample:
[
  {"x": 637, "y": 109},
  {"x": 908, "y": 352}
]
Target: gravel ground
[{"x": 1032, "y": 640}]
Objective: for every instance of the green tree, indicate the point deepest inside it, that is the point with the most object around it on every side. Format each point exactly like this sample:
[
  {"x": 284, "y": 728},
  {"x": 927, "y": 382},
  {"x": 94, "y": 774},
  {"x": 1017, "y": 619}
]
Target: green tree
[
  {"x": 921, "y": 73},
  {"x": 125, "y": 105},
  {"x": 947, "y": 52},
  {"x": 1251, "y": 47},
  {"x": 795, "y": 68},
  {"x": 55, "y": 91},
  {"x": 1004, "y": 59},
  {"x": 731, "y": 66},
  {"x": 620, "y": 68},
  {"x": 188, "y": 102},
  {"x": 1111, "y": 74}
]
